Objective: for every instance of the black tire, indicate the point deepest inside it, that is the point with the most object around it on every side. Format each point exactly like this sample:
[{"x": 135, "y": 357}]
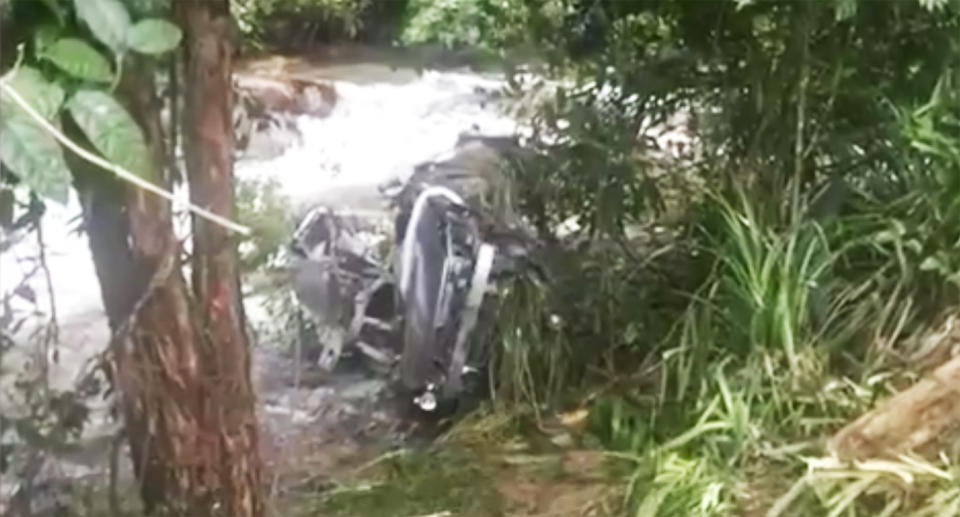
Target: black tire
[{"x": 420, "y": 344}]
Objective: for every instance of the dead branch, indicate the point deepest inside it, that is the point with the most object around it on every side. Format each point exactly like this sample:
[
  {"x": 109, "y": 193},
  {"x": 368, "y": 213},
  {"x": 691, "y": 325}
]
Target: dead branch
[
  {"x": 913, "y": 420},
  {"x": 52, "y": 335}
]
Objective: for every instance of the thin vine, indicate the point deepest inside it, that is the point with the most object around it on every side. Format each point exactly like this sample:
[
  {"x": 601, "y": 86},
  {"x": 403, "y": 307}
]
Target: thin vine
[{"x": 121, "y": 172}]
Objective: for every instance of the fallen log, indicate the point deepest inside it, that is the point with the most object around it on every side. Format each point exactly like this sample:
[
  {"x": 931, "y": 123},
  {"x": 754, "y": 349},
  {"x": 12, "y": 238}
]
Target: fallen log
[{"x": 915, "y": 420}]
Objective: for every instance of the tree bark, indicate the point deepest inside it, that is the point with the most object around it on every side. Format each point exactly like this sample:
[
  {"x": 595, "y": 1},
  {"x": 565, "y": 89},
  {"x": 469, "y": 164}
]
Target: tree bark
[
  {"x": 156, "y": 353},
  {"x": 159, "y": 364},
  {"x": 920, "y": 418},
  {"x": 178, "y": 363},
  {"x": 208, "y": 150}
]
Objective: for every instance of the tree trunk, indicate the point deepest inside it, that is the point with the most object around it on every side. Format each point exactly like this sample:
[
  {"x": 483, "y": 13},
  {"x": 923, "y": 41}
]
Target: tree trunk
[
  {"x": 159, "y": 364},
  {"x": 157, "y": 353},
  {"x": 178, "y": 364},
  {"x": 208, "y": 150}
]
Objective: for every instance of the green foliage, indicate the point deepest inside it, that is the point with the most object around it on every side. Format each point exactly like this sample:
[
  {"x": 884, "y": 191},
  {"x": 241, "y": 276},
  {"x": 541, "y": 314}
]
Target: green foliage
[
  {"x": 280, "y": 22},
  {"x": 148, "y": 8},
  {"x": 534, "y": 356},
  {"x": 474, "y": 23},
  {"x": 822, "y": 199},
  {"x": 49, "y": 421},
  {"x": 58, "y": 11},
  {"x": 45, "y": 97},
  {"x": 900, "y": 229},
  {"x": 111, "y": 130},
  {"x": 879, "y": 488},
  {"x": 778, "y": 92},
  {"x": 421, "y": 483},
  {"x": 765, "y": 280},
  {"x": 77, "y": 58},
  {"x": 29, "y": 150},
  {"x": 684, "y": 486},
  {"x": 263, "y": 208},
  {"x": 108, "y": 21},
  {"x": 584, "y": 128},
  {"x": 44, "y": 36},
  {"x": 153, "y": 36},
  {"x": 25, "y": 147},
  {"x": 752, "y": 362},
  {"x": 773, "y": 101},
  {"x": 600, "y": 310}
]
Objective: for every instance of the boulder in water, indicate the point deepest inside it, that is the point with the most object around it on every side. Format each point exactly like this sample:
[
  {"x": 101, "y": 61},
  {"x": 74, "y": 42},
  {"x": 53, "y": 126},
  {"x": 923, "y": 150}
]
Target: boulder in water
[{"x": 266, "y": 109}]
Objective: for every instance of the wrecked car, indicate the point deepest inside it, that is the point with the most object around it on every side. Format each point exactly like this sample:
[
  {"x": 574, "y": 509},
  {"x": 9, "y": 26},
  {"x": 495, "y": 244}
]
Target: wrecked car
[{"x": 418, "y": 302}]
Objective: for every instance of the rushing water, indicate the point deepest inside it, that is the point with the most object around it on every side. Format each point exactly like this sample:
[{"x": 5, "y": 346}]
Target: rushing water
[{"x": 384, "y": 123}]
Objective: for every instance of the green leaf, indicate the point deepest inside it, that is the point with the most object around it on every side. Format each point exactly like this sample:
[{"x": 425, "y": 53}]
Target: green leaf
[
  {"x": 154, "y": 36},
  {"x": 25, "y": 147},
  {"x": 41, "y": 95},
  {"x": 846, "y": 9},
  {"x": 913, "y": 245},
  {"x": 932, "y": 263},
  {"x": 55, "y": 8},
  {"x": 44, "y": 36},
  {"x": 144, "y": 8},
  {"x": 108, "y": 20},
  {"x": 933, "y": 5},
  {"x": 650, "y": 506},
  {"x": 111, "y": 130},
  {"x": 34, "y": 156},
  {"x": 79, "y": 59}
]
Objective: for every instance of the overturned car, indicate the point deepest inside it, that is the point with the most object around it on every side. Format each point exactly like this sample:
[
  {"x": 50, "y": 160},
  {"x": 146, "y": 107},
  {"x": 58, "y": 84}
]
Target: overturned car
[{"x": 418, "y": 300}]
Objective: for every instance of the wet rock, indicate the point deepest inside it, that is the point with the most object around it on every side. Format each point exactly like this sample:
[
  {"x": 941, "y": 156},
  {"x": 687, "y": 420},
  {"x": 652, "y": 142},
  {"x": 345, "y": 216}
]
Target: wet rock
[
  {"x": 267, "y": 138},
  {"x": 260, "y": 95},
  {"x": 285, "y": 414},
  {"x": 563, "y": 440},
  {"x": 266, "y": 111},
  {"x": 320, "y": 397},
  {"x": 364, "y": 391}
]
